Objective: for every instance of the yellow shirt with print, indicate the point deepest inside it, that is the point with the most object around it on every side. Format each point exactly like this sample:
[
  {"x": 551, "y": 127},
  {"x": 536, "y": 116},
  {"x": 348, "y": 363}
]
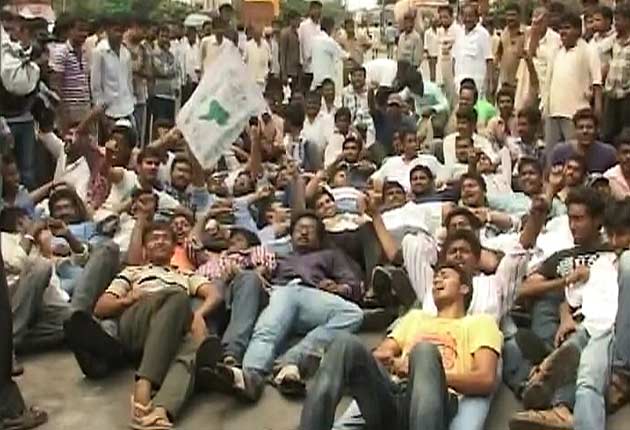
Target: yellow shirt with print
[{"x": 456, "y": 339}]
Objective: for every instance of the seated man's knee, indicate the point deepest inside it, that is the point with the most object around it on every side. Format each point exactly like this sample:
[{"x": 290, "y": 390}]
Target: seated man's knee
[
  {"x": 424, "y": 352},
  {"x": 248, "y": 279},
  {"x": 345, "y": 343}
]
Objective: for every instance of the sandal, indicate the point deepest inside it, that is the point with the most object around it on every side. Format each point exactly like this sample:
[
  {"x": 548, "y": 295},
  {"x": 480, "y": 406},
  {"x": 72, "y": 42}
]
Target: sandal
[
  {"x": 292, "y": 387},
  {"x": 139, "y": 411},
  {"x": 30, "y": 418},
  {"x": 153, "y": 421}
]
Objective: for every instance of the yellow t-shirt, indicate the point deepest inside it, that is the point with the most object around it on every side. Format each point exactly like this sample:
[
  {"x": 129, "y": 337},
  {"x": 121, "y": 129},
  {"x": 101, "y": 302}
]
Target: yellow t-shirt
[{"x": 456, "y": 339}]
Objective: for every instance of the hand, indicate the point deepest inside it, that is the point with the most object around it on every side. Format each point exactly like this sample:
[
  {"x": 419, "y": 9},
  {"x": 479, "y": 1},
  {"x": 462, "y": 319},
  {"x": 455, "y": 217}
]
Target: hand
[
  {"x": 556, "y": 178},
  {"x": 230, "y": 271},
  {"x": 539, "y": 205},
  {"x": 58, "y": 228},
  {"x": 264, "y": 192},
  {"x": 134, "y": 295},
  {"x": 143, "y": 210},
  {"x": 567, "y": 327},
  {"x": 34, "y": 228},
  {"x": 482, "y": 214},
  {"x": 198, "y": 327},
  {"x": 384, "y": 356},
  {"x": 329, "y": 285},
  {"x": 579, "y": 275},
  {"x": 400, "y": 366},
  {"x": 370, "y": 204}
]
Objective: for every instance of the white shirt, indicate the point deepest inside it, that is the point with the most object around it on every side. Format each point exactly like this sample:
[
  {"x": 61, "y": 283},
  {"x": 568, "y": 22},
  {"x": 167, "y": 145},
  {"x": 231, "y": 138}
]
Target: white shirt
[
  {"x": 257, "y": 57},
  {"x": 492, "y": 294},
  {"x": 191, "y": 59},
  {"x": 431, "y": 42},
  {"x": 470, "y": 52},
  {"x": 319, "y": 131},
  {"x": 397, "y": 169},
  {"x": 112, "y": 80},
  {"x": 446, "y": 41},
  {"x": 210, "y": 49},
  {"x": 449, "y": 147},
  {"x": 326, "y": 53},
  {"x": 306, "y": 33},
  {"x": 381, "y": 72}
]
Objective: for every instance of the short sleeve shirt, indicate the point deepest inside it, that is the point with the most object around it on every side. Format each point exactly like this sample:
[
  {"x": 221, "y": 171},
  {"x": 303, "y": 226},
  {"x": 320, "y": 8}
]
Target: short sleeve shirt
[{"x": 151, "y": 279}]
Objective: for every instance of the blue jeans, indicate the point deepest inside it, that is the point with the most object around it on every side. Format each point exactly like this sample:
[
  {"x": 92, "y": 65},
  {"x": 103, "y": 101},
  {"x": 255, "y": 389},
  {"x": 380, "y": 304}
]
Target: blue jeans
[
  {"x": 589, "y": 409},
  {"x": 621, "y": 357},
  {"x": 349, "y": 366},
  {"x": 297, "y": 309},
  {"x": 24, "y": 137}
]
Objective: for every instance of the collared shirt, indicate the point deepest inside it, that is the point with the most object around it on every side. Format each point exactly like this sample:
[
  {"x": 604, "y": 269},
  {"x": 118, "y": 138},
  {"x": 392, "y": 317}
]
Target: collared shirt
[
  {"x": 325, "y": 52},
  {"x": 618, "y": 183},
  {"x": 432, "y": 42},
  {"x": 190, "y": 59},
  {"x": 73, "y": 68},
  {"x": 210, "y": 49},
  {"x": 112, "y": 80},
  {"x": 257, "y": 57},
  {"x": 449, "y": 146},
  {"x": 603, "y": 45},
  {"x": 194, "y": 198},
  {"x": 397, "y": 169},
  {"x": 355, "y": 47},
  {"x": 307, "y": 32},
  {"x": 446, "y": 41},
  {"x": 275, "y": 55},
  {"x": 410, "y": 48},
  {"x": 511, "y": 48},
  {"x": 313, "y": 267},
  {"x": 165, "y": 72},
  {"x": 151, "y": 278},
  {"x": 432, "y": 98},
  {"x": 319, "y": 130},
  {"x": 618, "y": 79},
  {"x": 548, "y": 46},
  {"x": 141, "y": 66},
  {"x": 571, "y": 78},
  {"x": 471, "y": 52},
  {"x": 519, "y": 149},
  {"x": 289, "y": 53},
  {"x": 359, "y": 107},
  {"x": 599, "y": 158}
]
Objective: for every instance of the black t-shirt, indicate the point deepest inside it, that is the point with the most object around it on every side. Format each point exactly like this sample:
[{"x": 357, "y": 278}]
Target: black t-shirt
[{"x": 564, "y": 262}]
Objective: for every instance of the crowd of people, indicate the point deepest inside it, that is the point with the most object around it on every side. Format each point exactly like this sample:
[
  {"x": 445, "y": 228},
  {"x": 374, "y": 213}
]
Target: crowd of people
[{"x": 477, "y": 214}]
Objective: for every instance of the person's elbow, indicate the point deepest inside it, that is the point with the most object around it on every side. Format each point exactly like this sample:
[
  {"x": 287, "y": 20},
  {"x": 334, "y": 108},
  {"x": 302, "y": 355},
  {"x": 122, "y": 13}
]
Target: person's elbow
[
  {"x": 103, "y": 306},
  {"x": 487, "y": 382}
]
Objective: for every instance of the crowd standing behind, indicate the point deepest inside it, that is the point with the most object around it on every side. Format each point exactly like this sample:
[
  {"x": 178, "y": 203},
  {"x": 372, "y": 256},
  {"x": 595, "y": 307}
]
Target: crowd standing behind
[{"x": 481, "y": 207}]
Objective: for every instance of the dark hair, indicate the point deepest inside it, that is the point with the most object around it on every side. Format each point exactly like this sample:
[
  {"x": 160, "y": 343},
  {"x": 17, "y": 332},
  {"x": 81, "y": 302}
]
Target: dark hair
[
  {"x": 623, "y": 138},
  {"x": 149, "y": 152},
  {"x": 473, "y": 177},
  {"x": 183, "y": 212},
  {"x": 506, "y": 91},
  {"x": 465, "y": 278},
  {"x": 138, "y": 192},
  {"x": 312, "y": 203},
  {"x": 421, "y": 168},
  {"x": 315, "y": 4},
  {"x": 313, "y": 95},
  {"x": 557, "y": 7},
  {"x": 321, "y": 229},
  {"x": 445, "y": 8},
  {"x": 352, "y": 139},
  {"x": 605, "y": 12},
  {"x": 129, "y": 135},
  {"x": 530, "y": 161},
  {"x": 572, "y": 19},
  {"x": 8, "y": 158},
  {"x": 392, "y": 184},
  {"x": 343, "y": 112},
  {"x": 9, "y": 217},
  {"x": 180, "y": 159},
  {"x": 579, "y": 160},
  {"x": 465, "y": 212},
  {"x": 327, "y": 24},
  {"x": 359, "y": 68},
  {"x": 326, "y": 82},
  {"x": 381, "y": 96},
  {"x": 531, "y": 113},
  {"x": 67, "y": 194},
  {"x": 157, "y": 226},
  {"x": 512, "y": 6},
  {"x": 585, "y": 113},
  {"x": 251, "y": 237},
  {"x": 588, "y": 198},
  {"x": 465, "y": 235},
  {"x": 295, "y": 115},
  {"x": 617, "y": 216},
  {"x": 469, "y": 84},
  {"x": 467, "y": 113}
]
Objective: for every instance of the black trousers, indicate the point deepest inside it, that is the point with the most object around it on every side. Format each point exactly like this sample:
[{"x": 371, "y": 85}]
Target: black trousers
[
  {"x": 616, "y": 115},
  {"x": 11, "y": 401}
]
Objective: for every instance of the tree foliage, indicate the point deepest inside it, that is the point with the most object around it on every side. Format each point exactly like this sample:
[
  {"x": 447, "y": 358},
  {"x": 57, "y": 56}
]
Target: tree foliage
[{"x": 156, "y": 9}]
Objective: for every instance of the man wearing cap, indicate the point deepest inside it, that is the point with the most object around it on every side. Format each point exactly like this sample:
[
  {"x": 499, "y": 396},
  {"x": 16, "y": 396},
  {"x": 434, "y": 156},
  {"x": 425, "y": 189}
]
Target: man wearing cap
[
  {"x": 112, "y": 73},
  {"x": 309, "y": 28}
]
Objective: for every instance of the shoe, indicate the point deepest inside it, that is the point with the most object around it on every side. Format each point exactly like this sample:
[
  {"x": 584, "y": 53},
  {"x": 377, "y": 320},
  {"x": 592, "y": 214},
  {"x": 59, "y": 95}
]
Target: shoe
[
  {"x": 30, "y": 418},
  {"x": 382, "y": 286},
  {"x": 16, "y": 367},
  {"x": 555, "y": 371},
  {"x": 206, "y": 359},
  {"x": 247, "y": 386},
  {"x": 289, "y": 382},
  {"x": 96, "y": 352},
  {"x": 618, "y": 392},
  {"x": 402, "y": 288},
  {"x": 531, "y": 346},
  {"x": 558, "y": 418},
  {"x": 231, "y": 361}
]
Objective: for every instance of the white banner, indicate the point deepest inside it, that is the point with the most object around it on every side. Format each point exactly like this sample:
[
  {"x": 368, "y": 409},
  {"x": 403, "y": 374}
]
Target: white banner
[{"x": 220, "y": 108}]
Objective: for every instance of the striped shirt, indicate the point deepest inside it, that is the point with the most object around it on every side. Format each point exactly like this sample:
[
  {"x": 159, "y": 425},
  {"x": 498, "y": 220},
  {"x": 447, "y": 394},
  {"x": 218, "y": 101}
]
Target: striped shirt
[
  {"x": 257, "y": 256},
  {"x": 151, "y": 278},
  {"x": 73, "y": 67}
]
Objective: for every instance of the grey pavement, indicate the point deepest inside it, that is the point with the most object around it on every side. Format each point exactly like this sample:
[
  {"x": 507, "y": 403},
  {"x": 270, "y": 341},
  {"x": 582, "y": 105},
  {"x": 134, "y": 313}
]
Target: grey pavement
[{"x": 54, "y": 382}]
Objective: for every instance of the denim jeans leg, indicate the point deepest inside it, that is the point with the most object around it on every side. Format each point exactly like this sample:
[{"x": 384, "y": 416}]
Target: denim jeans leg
[
  {"x": 565, "y": 395},
  {"x": 24, "y": 137},
  {"x": 516, "y": 367},
  {"x": 546, "y": 317},
  {"x": 247, "y": 297},
  {"x": 98, "y": 273},
  {"x": 427, "y": 392},
  {"x": 322, "y": 316},
  {"x": 472, "y": 412},
  {"x": 592, "y": 381},
  {"x": 621, "y": 357},
  {"x": 272, "y": 328},
  {"x": 349, "y": 365}
]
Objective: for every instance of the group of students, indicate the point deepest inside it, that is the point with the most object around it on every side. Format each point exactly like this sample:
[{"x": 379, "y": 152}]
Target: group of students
[{"x": 489, "y": 242}]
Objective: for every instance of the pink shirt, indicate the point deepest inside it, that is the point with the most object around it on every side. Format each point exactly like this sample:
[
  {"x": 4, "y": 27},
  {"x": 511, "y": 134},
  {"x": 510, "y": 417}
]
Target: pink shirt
[{"x": 618, "y": 184}]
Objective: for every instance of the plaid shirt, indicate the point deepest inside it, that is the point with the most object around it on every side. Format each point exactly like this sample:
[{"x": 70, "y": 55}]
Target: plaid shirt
[
  {"x": 358, "y": 105},
  {"x": 618, "y": 79},
  {"x": 257, "y": 256}
]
